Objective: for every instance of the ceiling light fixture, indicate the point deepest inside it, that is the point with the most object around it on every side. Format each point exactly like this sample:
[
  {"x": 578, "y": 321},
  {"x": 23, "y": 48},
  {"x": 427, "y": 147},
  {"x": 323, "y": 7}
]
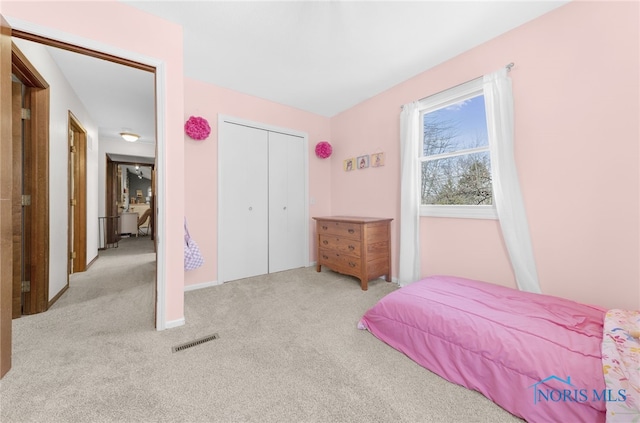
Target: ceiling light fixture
[{"x": 129, "y": 136}]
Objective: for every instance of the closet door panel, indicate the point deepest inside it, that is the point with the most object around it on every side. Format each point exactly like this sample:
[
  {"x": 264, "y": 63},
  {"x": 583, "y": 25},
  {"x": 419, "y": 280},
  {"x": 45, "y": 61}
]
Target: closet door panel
[
  {"x": 287, "y": 182},
  {"x": 243, "y": 207}
]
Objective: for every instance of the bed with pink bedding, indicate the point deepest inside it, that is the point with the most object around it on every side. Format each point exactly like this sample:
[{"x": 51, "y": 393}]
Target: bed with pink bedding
[{"x": 537, "y": 356}]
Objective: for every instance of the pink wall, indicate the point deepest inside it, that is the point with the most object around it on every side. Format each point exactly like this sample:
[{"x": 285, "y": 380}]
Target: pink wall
[
  {"x": 576, "y": 90},
  {"x": 201, "y": 170},
  {"x": 122, "y": 27},
  {"x": 576, "y": 94}
]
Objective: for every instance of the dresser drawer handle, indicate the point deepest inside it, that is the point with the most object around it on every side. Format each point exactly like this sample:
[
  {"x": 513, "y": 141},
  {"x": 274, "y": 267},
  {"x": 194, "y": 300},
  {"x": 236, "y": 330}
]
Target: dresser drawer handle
[
  {"x": 325, "y": 257},
  {"x": 352, "y": 264},
  {"x": 325, "y": 242},
  {"x": 324, "y": 227},
  {"x": 351, "y": 231},
  {"x": 351, "y": 248}
]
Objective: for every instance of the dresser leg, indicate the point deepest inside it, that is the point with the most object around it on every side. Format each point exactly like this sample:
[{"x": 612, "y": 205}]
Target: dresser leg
[
  {"x": 318, "y": 266},
  {"x": 364, "y": 284}
]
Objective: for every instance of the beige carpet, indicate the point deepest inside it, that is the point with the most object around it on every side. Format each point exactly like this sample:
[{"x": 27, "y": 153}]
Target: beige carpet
[{"x": 288, "y": 351}]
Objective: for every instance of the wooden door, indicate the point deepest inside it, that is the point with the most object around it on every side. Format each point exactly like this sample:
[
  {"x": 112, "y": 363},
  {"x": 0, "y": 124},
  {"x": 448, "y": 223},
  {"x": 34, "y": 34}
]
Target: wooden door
[
  {"x": 77, "y": 196},
  {"x": 242, "y": 202},
  {"x": 17, "y": 220},
  {"x": 286, "y": 202},
  {"x": 111, "y": 203}
]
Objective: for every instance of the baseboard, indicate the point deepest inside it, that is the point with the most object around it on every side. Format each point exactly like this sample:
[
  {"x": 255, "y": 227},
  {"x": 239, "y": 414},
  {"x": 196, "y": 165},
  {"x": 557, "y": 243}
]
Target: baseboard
[
  {"x": 201, "y": 285},
  {"x": 174, "y": 323},
  {"x": 58, "y": 295},
  {"x": 91, "y": 262}
]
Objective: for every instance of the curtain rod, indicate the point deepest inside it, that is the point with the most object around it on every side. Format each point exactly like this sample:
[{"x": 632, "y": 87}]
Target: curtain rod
[{"x": 508, "y": 67}]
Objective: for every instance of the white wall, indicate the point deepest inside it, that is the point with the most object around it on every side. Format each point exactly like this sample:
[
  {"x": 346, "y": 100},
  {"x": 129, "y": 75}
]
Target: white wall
[{"x": 62, "y": 100}]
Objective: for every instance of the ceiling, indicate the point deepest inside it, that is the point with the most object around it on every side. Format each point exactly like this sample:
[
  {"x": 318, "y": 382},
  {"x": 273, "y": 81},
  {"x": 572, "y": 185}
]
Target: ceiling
[
  {"x": 119, "y": 98},
  {"x": 320, "y": 56}
]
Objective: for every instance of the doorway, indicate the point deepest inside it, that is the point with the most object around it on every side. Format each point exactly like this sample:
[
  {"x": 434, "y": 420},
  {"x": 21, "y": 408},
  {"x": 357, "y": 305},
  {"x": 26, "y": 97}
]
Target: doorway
[
  {"x": 78, "y": 198},
  {"x": 65, "y": 197},
  {"x": 130, "y": 195},
  {"x": 157, "y": 68}
]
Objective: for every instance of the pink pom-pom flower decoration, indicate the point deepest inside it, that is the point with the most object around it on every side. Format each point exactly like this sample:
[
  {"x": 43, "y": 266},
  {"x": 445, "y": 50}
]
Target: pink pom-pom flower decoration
[
  {"x": 323, "y": 149},
  {"x": 197, "y": 128}
]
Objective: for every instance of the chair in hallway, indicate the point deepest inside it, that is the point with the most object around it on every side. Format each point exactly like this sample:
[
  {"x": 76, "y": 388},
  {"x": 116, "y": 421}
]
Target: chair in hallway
[{"x": 146, "y": 216}]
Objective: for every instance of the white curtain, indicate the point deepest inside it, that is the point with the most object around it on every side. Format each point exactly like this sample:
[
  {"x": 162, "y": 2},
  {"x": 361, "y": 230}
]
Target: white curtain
[
  {"x": 506, "y": 188},
  {"x": 410, "y": 141}
]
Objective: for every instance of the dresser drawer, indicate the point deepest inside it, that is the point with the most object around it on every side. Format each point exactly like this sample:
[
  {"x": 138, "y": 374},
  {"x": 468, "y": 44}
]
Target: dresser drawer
[
  {"x": 342, "y": 245},
  {"x": 340, "y": 262},
  {"x": 351, "y": 230}
]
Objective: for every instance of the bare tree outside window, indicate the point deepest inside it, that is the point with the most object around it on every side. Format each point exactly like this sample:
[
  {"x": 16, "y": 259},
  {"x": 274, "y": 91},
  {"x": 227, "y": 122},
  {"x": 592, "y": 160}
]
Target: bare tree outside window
[{"x": 456, "y": 166}]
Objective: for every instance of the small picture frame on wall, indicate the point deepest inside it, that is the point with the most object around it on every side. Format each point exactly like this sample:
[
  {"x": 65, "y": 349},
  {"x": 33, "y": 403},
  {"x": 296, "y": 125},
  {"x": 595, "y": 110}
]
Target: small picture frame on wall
[
  {"x": 349, "y": 164},
  {"x": 377, "y": 160},
  {"x": 363, "y": 162}
]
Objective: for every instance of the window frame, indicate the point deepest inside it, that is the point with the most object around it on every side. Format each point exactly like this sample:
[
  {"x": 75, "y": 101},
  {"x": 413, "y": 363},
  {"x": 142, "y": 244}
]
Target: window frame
[{"x": 438, "y": 101}]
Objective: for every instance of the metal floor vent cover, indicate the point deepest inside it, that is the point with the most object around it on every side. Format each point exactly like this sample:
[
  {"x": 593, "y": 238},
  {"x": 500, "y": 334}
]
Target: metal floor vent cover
[{"x": 194, "y": 343}]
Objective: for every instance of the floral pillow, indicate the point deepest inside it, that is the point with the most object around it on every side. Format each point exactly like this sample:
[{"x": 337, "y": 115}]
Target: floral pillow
[{"x": 621, "y": 364}]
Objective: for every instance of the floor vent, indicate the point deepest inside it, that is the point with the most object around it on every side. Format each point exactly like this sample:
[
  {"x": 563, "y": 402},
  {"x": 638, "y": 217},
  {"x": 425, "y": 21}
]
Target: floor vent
[{"x": 194, "y": 343}]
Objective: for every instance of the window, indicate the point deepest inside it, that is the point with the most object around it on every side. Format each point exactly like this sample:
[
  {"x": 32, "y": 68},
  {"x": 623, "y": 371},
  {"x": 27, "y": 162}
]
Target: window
[{"x": 455, "y": 158}]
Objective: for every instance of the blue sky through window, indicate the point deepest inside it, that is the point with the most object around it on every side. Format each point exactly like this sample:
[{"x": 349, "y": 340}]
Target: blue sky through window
[{"x": 470, "y": 120}]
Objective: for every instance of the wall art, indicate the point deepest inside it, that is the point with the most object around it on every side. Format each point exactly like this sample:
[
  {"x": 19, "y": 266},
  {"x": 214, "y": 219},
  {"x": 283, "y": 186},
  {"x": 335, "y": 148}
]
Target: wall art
[
  {"x": 349, "y": 164},
  {"x": 363, "y": 162},
  {"x": 377, "y": 160}
]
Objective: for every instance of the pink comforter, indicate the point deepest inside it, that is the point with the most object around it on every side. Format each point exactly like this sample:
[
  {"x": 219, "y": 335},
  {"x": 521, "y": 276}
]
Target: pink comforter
[{"x": 535, "y": 355}]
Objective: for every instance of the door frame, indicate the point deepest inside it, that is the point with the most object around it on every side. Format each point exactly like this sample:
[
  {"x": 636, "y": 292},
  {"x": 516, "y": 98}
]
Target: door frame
[
  {"x": 36, "y": 183},
  {"x": 222, "y": 119},
  {"x": 77, "y": 181},
  {"x": 6, "y": 199}
]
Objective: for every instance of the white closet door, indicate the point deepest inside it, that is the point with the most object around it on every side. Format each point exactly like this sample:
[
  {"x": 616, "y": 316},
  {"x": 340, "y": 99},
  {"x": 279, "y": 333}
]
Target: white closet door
[
  {"x": 286, "y": 202},
  {"x": 243, "y": 202}
]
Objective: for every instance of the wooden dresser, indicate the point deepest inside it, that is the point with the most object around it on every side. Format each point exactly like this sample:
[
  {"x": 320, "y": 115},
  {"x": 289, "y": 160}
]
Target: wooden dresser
[{"x": 356, "y": 246}]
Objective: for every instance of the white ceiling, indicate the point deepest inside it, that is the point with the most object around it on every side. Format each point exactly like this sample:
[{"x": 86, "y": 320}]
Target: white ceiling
[
  {"x": 320, "y": 56},
  {"x": 119, "y": 98}
]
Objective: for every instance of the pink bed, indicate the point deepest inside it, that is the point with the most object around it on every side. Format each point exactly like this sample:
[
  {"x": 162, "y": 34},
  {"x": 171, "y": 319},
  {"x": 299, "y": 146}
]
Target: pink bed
[{"x": 537, "y": 356}]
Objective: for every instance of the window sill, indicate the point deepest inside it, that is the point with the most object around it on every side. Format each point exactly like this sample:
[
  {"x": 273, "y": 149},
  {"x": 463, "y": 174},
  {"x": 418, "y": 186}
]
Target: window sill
[{"x": 464, "y": 212}]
